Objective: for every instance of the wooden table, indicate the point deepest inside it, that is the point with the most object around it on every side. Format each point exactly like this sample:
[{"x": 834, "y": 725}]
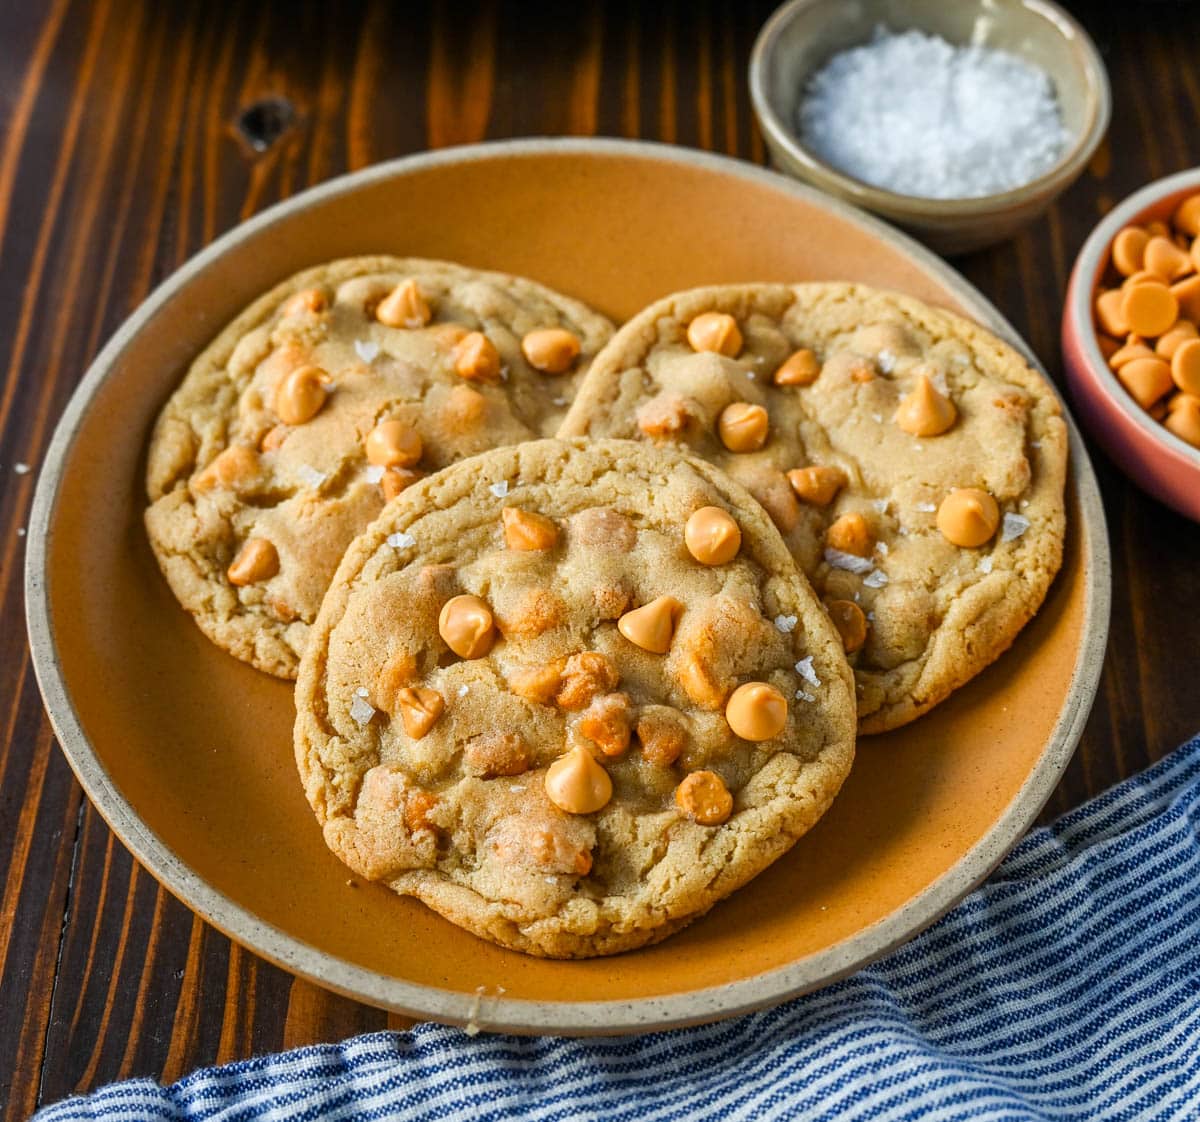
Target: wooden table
[{"x": 120, "y": 156}]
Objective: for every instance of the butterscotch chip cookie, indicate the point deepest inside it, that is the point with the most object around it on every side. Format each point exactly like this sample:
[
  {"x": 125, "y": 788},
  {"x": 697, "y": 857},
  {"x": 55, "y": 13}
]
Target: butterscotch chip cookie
[
  {"x": 325, "y": 398},
  {"x": 583, "y": 787},
  {"x": 853, "y": 415}
]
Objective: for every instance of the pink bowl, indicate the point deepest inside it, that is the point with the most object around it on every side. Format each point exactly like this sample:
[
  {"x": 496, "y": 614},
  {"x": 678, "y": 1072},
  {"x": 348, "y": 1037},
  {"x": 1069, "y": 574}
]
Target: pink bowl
[{"x": 1156, "y": 460}]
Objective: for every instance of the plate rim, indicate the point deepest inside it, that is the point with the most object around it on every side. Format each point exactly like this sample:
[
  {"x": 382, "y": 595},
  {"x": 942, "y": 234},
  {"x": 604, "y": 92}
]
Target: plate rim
[{"x": 500, "y": 1013}]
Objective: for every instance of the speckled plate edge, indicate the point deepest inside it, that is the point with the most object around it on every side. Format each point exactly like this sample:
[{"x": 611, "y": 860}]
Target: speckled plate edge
[{"x": 504, "y": 1014}]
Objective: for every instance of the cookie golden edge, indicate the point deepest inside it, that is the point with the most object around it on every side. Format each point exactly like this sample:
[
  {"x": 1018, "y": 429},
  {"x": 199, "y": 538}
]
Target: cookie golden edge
[
  {"x": 975, "y": 637},
  {"x": 774, "y": 827},
  {"x": 256, "y": 637}
]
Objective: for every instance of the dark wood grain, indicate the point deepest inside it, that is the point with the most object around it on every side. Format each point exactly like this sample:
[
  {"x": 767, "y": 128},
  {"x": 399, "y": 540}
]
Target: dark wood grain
[{"x": 120, "y": 157}]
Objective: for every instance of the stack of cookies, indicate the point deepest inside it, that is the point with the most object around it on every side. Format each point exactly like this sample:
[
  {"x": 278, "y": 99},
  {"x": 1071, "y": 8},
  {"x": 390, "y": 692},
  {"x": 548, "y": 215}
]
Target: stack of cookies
[{"x": 584, "y": 623}]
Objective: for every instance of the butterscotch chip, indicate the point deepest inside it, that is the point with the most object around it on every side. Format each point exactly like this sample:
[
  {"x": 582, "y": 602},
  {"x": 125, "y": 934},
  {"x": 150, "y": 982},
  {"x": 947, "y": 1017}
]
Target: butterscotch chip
[
  {"x": 396, "y": 479},
  {"x": 1183, "y": 418},
  {"x": 968, "y": 517},
  {"x": 700, "y": 683},
  {"x": 851, "y": 533},
  {"x": 537, "y": 683},
  {"x": 496, "y": 753},
  {"x": 514, "y": 798},
  {"x": 584, "y": 676},
  {"x": 757, "y": 711},
  {"x": 715, "y": 331},
  {"x": 300, "y": 395},
  {"x": 973, "y": 408},
  {"x": 257, "y": 561},
  {"x": 817, "y": 484},
  {"x": 303, "y": 377},
  {"x": 577, "y": 784},
  {"x": 404, "y": 306},
  {"x": 651, "y": 626},
  {"x": 308, "y": 301},
  {"x": 551, "y": 349},
  {"x": 712, "y": 536},
  {"x": 467, "y": 626},
  {"x": 743, "y": 427},
  {"x": 662, "y": 735},
  {"x": 476, "y": 358},
  {"x": 850, "y": 622},
  {"x": 393, "y": 444},
  {"x": 417, "y": 810},
  {"x": 665, "y": 416},
  {"x": 608, "y": 723},
  {"x": 703, "y": 797},
  {"x": 926, "y": 411},
  {"x": 801, "y": 368},
  {"x": 526, "y": 530},
  {"x": 419, "y": 709},
  {"x": 237, "y": 468}
]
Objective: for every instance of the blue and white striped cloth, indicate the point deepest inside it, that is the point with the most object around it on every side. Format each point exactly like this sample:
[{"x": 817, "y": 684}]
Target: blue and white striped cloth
[{"x": 1067, "y": 987}]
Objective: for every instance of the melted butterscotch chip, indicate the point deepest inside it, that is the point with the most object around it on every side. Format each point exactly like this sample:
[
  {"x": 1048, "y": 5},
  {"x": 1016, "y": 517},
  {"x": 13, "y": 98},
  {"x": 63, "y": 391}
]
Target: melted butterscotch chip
[
  {"x": 496, "y": 753},
  {"x": 527, "y": 530},
  {"x": 603, "y": 528},
  {"x": 661, "y": 733},
  {"x": 704, "y": 797},
  {"x": 665, "y": 417},
  {"x": 608, "y": 722},
  {"x": 537, "y": 683},
  {"x": 530, "y": 613},
  {"x": 584, "y": 676}
]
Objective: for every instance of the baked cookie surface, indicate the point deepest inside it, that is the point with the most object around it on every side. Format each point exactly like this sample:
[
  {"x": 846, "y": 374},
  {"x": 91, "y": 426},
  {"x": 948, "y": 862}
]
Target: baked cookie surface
[
  {"x": 329, "y": 394},
  {"x": 862, "y": 421},
  {"x": 520, "y": 697}
]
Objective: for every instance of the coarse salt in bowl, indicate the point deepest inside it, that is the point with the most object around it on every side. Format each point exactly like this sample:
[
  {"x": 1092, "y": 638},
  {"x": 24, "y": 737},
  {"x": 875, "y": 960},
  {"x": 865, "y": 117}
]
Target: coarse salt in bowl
[
  {"x": 1155, "y": 459},
  {"x": 1039, "y": 38}
]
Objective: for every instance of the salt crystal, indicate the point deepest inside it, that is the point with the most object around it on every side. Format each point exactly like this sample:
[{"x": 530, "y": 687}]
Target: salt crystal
[
  {"x": 877, "y": 418},
  {"x": 361, "y": 710},
  {"x": 805, "y": 669},
  {"x": 463, "y": 691},
  {"x": 871, "y": 617},
  {"x": 802, "y": 695},
  {"x": 559, "y": 400},
  {"x": 361, "y": 691},
  {"x": 310, "y": 477},
  {"x": 504, "y": 373},
  {"x": 499, "y": 489},
  {"x": 882, "y": 547},
  {"x": 751, "y": 375},
  {"x": 880, "y": 505},
  {"x": 374, "y": 473},
  {"x": 365, "y": 349},
  {"x": 786, "y": 624},
  {"x": 21, "y": 469},
  {"x": 925, "y": 508},
  {"x": 1014, "y": 526},
  {"x": 951, "y": 122},
  {"x": 875, "y": 579},
  {"x": 985, "y": 564},
  {"x": 848, "y": 561},
  {"x": 401, "y": 540},
  {"x": 886, "y": 361}
]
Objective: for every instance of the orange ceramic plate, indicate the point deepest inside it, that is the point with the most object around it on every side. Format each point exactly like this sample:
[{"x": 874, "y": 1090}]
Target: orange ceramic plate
[{"x": 187, "y": 752}]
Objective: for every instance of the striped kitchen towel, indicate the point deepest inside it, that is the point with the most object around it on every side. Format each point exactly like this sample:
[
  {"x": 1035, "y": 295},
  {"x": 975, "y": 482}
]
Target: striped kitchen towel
[{"x": 1067, "y": 987}]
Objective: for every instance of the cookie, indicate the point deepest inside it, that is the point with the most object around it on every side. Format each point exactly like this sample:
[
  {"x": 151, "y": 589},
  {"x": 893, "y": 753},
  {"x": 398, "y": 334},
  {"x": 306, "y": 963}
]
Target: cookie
[
  {"x": 913, "y": 462},
  {"x": 328, "y": 395},
  {"x": 571, "y": 695}
]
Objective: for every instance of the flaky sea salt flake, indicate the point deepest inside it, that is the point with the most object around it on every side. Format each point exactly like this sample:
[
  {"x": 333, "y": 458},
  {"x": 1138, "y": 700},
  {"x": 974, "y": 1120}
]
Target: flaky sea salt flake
[
  {"x": 848, "y": 561},
  {"x": 365, "y": 349},
  {"x": 374, "y": 473},
  {"x": 401, "y": 540},
  {"x": 805, "y": 669},
  {"x": 310, "y": 477},
  {"x": 877, "y": 578},
  {"x": 361, "y": 710},
  {"x": 786, "y": 624},
  {"x": 1014, "y": 526},
  {"x": 985, "y": 564},
  {"x": 886, "y": 361},
  {"x": 463, "y": 691},
  {"x": 880, "y": 505},
  {"x": 499, "y": 489},
  {"x": 925, "y": 508},
  {"x": 802, "y": 695}
]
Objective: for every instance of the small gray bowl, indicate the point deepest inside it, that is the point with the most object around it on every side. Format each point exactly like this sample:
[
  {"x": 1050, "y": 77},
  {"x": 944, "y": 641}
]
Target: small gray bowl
[{"x": 802, "y": 35}]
